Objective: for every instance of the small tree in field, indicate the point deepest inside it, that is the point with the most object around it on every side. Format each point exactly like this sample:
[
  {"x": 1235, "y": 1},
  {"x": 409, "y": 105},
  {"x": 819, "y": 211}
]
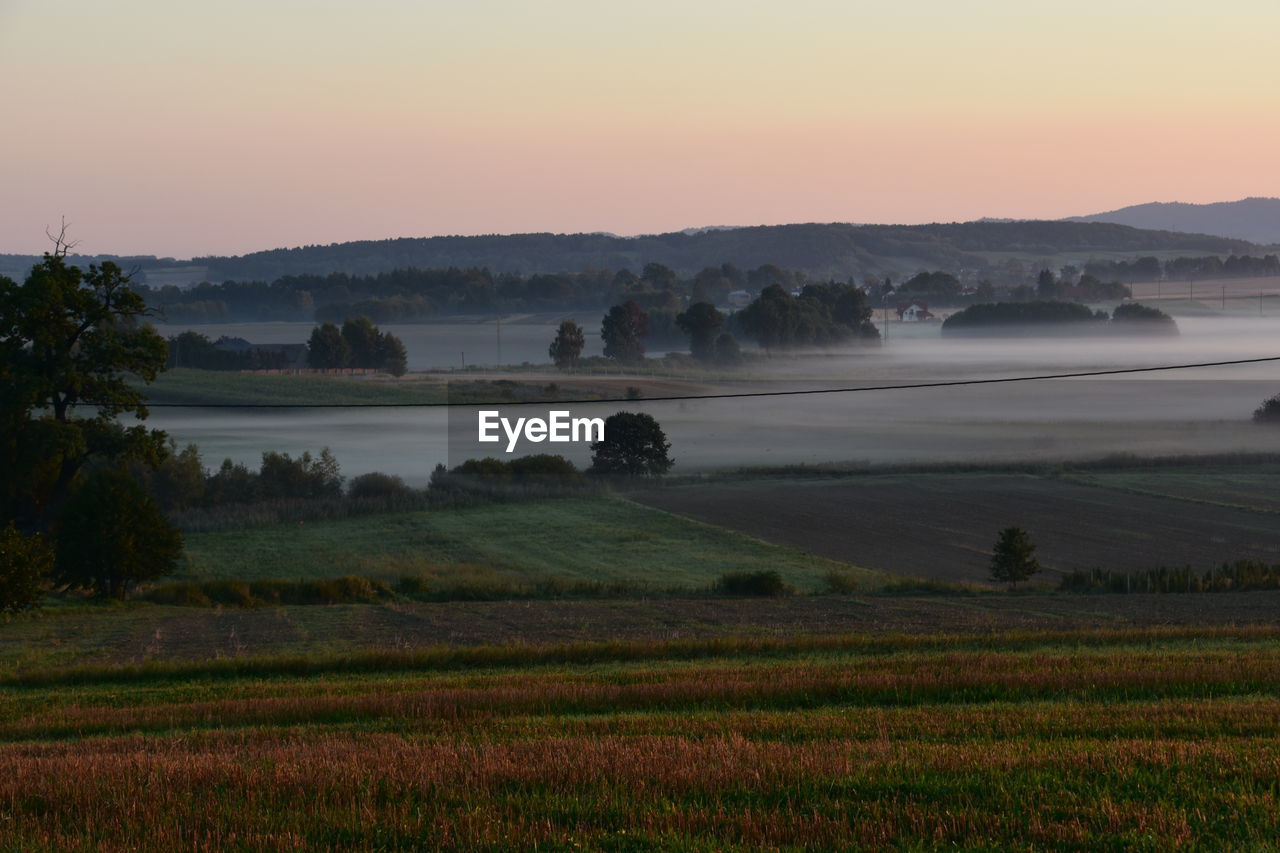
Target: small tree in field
[
  {"x": 1014, "y": 557},
  {"x": 567, "y": 346}
]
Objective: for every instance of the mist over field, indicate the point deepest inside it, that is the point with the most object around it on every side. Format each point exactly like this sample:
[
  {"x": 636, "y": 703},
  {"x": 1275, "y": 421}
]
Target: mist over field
[{"x": 1205, "y": 410}]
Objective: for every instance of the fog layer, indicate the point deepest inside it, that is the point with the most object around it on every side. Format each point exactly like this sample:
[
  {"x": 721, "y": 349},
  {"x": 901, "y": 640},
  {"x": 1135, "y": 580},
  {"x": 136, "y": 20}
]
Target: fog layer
[{"x": 1205, "y": 410}]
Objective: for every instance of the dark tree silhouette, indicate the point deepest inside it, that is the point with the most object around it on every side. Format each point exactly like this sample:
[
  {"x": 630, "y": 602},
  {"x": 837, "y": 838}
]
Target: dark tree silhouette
[
  {"x": 702, "y": 323},
  {"x": 622, "y": 330},
  {"x": 1014, "y": 557},
  {"x": 327, "y": 348},
  {"x": 70, "y": 341},
  {"x": 111, "y": 535},
  {"x": 634, "y": 445}
]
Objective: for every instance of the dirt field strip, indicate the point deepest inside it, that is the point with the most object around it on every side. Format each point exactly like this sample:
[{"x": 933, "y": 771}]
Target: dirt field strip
[{"x": 942, "y": 526}]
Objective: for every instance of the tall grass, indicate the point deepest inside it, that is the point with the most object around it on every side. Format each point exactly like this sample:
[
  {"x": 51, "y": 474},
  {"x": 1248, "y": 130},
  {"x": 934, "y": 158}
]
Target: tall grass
[{"x": 1242, "y": 575}]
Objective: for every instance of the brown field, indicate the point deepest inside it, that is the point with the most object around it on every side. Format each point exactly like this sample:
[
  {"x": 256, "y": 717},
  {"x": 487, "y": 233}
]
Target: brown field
[{"x": 943, "y": 526}]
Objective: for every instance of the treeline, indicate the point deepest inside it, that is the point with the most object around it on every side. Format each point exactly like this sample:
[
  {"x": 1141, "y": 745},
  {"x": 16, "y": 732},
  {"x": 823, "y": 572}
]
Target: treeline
[
  {"x": 192, "y": 349},
  {"x": 1130, "y": 318},
  {"x": 415, "y": 294},
  {"x": 181, "y": 481},
  {"x": 822, "y": 314},
  {"x": 412, "y": 295},
  {"x": 359, "y": 344},
  {"x": 310, "y": 487},
  {"x": 833, "y": 250},
  {"x": 1150, "y": 268}
]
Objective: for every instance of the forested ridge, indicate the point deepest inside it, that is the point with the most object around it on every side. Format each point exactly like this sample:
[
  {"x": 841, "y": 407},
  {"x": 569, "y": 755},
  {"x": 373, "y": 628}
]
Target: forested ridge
[
  {"x": 836, "y": 249},
  {"x": 822, "y": 250}
]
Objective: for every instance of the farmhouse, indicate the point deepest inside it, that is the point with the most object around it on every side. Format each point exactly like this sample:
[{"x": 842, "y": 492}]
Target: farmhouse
[{"x": 915, "y": 311}]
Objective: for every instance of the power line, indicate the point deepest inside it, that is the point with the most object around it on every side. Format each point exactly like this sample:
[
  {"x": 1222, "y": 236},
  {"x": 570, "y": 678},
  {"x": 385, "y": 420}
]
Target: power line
[{"x": 953, "y": 383}]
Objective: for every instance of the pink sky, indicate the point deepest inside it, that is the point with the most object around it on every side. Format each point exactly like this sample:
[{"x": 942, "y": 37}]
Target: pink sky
[{"x": 176, "y": 129}]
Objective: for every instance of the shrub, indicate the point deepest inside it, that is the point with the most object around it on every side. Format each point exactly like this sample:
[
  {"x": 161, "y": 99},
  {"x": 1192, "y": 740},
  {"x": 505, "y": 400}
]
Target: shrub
[
  {"x": 764, "y": 584},
  {"x": 841, "y": 583},
  {"x": 378, "y": 485}
]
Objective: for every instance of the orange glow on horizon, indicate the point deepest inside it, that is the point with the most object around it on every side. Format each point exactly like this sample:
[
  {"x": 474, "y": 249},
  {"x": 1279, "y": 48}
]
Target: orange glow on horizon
[{"x": 184, "y": 132}]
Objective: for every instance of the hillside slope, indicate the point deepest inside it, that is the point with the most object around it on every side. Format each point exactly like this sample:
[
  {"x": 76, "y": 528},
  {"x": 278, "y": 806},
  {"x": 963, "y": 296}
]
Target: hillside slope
[{"x": 1254, "y": 219}]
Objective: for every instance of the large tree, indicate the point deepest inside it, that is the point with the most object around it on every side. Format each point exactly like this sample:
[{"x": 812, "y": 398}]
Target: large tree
[
  {"x": 70, "y": 342},
  {"x": 633, "y": 445},
  {"x": 622, "y": 330},
  {"x": 702, "y": 323},
  {"x": 327, "y": 348},
  {"x": 112, "y": 534},
  {"x": 393, "y": 358},
  {"x": 567, "y": 346},
  {"x": 364, "y": 342}
]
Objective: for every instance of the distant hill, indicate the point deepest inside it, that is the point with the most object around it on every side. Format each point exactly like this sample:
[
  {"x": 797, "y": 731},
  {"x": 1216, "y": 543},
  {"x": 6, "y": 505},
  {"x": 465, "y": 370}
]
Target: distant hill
[
  {"x": 1254, "y": 219},
  {"x": 835, "y": 250},
  {"x": 838, "y": 250}
]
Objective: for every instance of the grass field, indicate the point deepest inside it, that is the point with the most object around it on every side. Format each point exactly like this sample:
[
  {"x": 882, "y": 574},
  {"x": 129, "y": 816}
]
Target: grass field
[
  {"x": 941, "y": 525},
  {"x": 606, "y": 540},
  {"x": 1134, "y": 740},
  {"x": 188, "y": 386}
]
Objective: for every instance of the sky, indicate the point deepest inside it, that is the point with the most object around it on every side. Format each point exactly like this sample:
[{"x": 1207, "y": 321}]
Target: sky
[{"x": 182, "y": 129}]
